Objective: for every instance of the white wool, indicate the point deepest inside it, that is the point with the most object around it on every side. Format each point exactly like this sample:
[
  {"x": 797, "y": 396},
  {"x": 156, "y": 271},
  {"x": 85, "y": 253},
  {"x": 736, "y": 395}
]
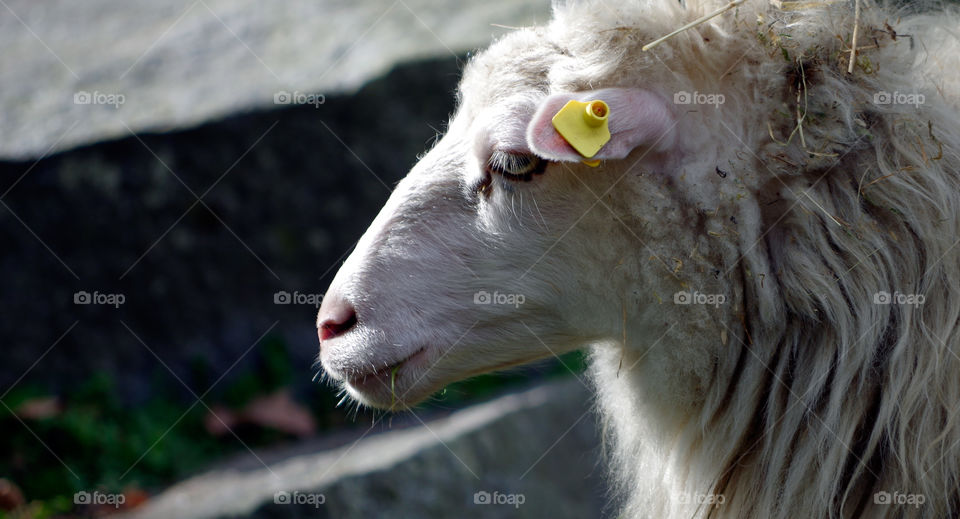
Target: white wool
[
  {"x": 821, "y": 398},
  {"x": 796, "y": 396}
]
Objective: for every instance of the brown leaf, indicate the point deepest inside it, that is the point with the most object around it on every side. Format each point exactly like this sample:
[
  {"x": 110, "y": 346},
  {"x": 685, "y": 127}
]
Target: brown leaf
[
  {"x": 135, "y": 497},
  {"x": 11, "y": 497},
  {"x": 279, "y": 411},
  {"x": 219, "y": 421},
  {"x": 275, "y": 411},
  {"x": 39, "y": 408}
]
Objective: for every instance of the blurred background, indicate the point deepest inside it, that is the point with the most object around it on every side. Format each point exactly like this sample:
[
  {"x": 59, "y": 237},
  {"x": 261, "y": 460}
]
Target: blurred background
[{"x": 179, "y": 182}]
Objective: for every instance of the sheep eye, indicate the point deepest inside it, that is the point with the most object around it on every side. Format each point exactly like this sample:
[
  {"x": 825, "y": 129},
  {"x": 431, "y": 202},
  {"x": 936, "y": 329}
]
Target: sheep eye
[{"x": 515, "y": 166}]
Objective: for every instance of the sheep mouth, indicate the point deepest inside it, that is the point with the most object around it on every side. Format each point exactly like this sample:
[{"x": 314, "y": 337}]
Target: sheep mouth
[{"x": 386, "y": 379}]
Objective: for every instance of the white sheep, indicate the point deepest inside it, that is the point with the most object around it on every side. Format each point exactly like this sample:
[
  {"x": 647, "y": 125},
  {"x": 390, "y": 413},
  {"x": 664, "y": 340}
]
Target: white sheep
[{"x": 764, "y": 264}]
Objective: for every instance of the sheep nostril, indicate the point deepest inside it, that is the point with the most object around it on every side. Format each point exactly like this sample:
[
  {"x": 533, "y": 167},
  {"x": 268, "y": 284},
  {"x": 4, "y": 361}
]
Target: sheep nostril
[{"x": 337, "y": 317}]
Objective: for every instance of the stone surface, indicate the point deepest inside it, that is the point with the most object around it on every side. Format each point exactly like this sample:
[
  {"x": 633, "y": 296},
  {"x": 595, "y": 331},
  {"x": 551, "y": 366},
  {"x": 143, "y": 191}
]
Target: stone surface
[
  {"x": 541, "y": 444},
  {"x": 182, "y": 62}
]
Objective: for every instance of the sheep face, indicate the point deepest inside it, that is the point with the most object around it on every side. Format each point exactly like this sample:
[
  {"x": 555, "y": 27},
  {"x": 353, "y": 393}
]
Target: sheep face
[{"x": 501, "y": 247}]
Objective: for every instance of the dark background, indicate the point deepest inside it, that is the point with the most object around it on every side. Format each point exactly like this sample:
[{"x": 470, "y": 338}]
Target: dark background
[{"x": 297, "y": 187}]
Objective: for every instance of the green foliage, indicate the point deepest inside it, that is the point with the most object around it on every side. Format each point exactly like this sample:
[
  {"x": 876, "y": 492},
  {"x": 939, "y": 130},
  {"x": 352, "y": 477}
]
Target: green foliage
[
  {"x": 107, "y": 446},
  {"x": 100, "y": 443}
]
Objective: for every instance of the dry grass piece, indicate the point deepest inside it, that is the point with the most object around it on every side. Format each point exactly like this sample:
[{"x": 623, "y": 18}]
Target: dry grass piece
[{"x": 692, "y": 24}]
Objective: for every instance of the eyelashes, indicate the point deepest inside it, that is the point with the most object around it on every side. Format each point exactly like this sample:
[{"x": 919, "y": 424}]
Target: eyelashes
[
  {"x": 515, "y": 166},
  {"x": 509, "y": 166}
]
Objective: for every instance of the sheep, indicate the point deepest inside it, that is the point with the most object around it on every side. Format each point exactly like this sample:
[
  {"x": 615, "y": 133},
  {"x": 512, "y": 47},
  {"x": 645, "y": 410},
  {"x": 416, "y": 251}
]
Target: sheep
[{"x": 761, "y": 260}]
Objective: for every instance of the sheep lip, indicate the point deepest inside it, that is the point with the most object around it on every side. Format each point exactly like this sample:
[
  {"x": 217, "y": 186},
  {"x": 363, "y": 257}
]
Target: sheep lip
[{"x": 364, "y": 379}]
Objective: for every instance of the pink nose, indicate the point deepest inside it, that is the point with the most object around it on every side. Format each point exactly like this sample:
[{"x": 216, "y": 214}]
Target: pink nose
[{"x": 337, "y": 316}]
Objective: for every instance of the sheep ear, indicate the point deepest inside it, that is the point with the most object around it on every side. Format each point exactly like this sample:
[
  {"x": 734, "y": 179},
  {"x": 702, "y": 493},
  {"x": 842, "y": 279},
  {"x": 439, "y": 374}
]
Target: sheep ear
[{"x": 636, "y": 118}]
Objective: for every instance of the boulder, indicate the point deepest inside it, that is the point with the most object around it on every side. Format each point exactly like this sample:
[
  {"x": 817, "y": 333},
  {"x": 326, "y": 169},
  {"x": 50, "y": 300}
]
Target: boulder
[
  {"x": 529, "y": 454},
  {"x": 74, "y": 73}
]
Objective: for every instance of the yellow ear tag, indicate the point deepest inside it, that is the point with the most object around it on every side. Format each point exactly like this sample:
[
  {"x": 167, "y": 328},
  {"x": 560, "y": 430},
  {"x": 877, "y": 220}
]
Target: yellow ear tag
[{"x": 584, "y": 126}]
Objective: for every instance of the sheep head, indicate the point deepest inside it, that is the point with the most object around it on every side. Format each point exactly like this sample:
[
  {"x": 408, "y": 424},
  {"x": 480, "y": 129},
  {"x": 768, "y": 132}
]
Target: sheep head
[{"x": 502, "y": 247}]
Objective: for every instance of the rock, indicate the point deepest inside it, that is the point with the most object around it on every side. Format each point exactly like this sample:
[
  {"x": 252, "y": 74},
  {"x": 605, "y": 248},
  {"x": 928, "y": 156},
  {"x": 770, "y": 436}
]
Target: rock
[
  {"x": 529, "y": 454},
  {"x": 148, "y": 65}
]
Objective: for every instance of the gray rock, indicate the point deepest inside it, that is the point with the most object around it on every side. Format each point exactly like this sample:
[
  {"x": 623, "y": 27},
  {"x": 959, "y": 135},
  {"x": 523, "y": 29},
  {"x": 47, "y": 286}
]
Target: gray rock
[
  {"x": 181, "y": 62},
  {"x": 540, "y": 444}
]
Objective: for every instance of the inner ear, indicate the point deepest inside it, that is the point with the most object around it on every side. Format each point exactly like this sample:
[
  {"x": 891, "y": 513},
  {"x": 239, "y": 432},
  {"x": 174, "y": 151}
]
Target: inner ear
[{"x": 636, "y": 118}]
